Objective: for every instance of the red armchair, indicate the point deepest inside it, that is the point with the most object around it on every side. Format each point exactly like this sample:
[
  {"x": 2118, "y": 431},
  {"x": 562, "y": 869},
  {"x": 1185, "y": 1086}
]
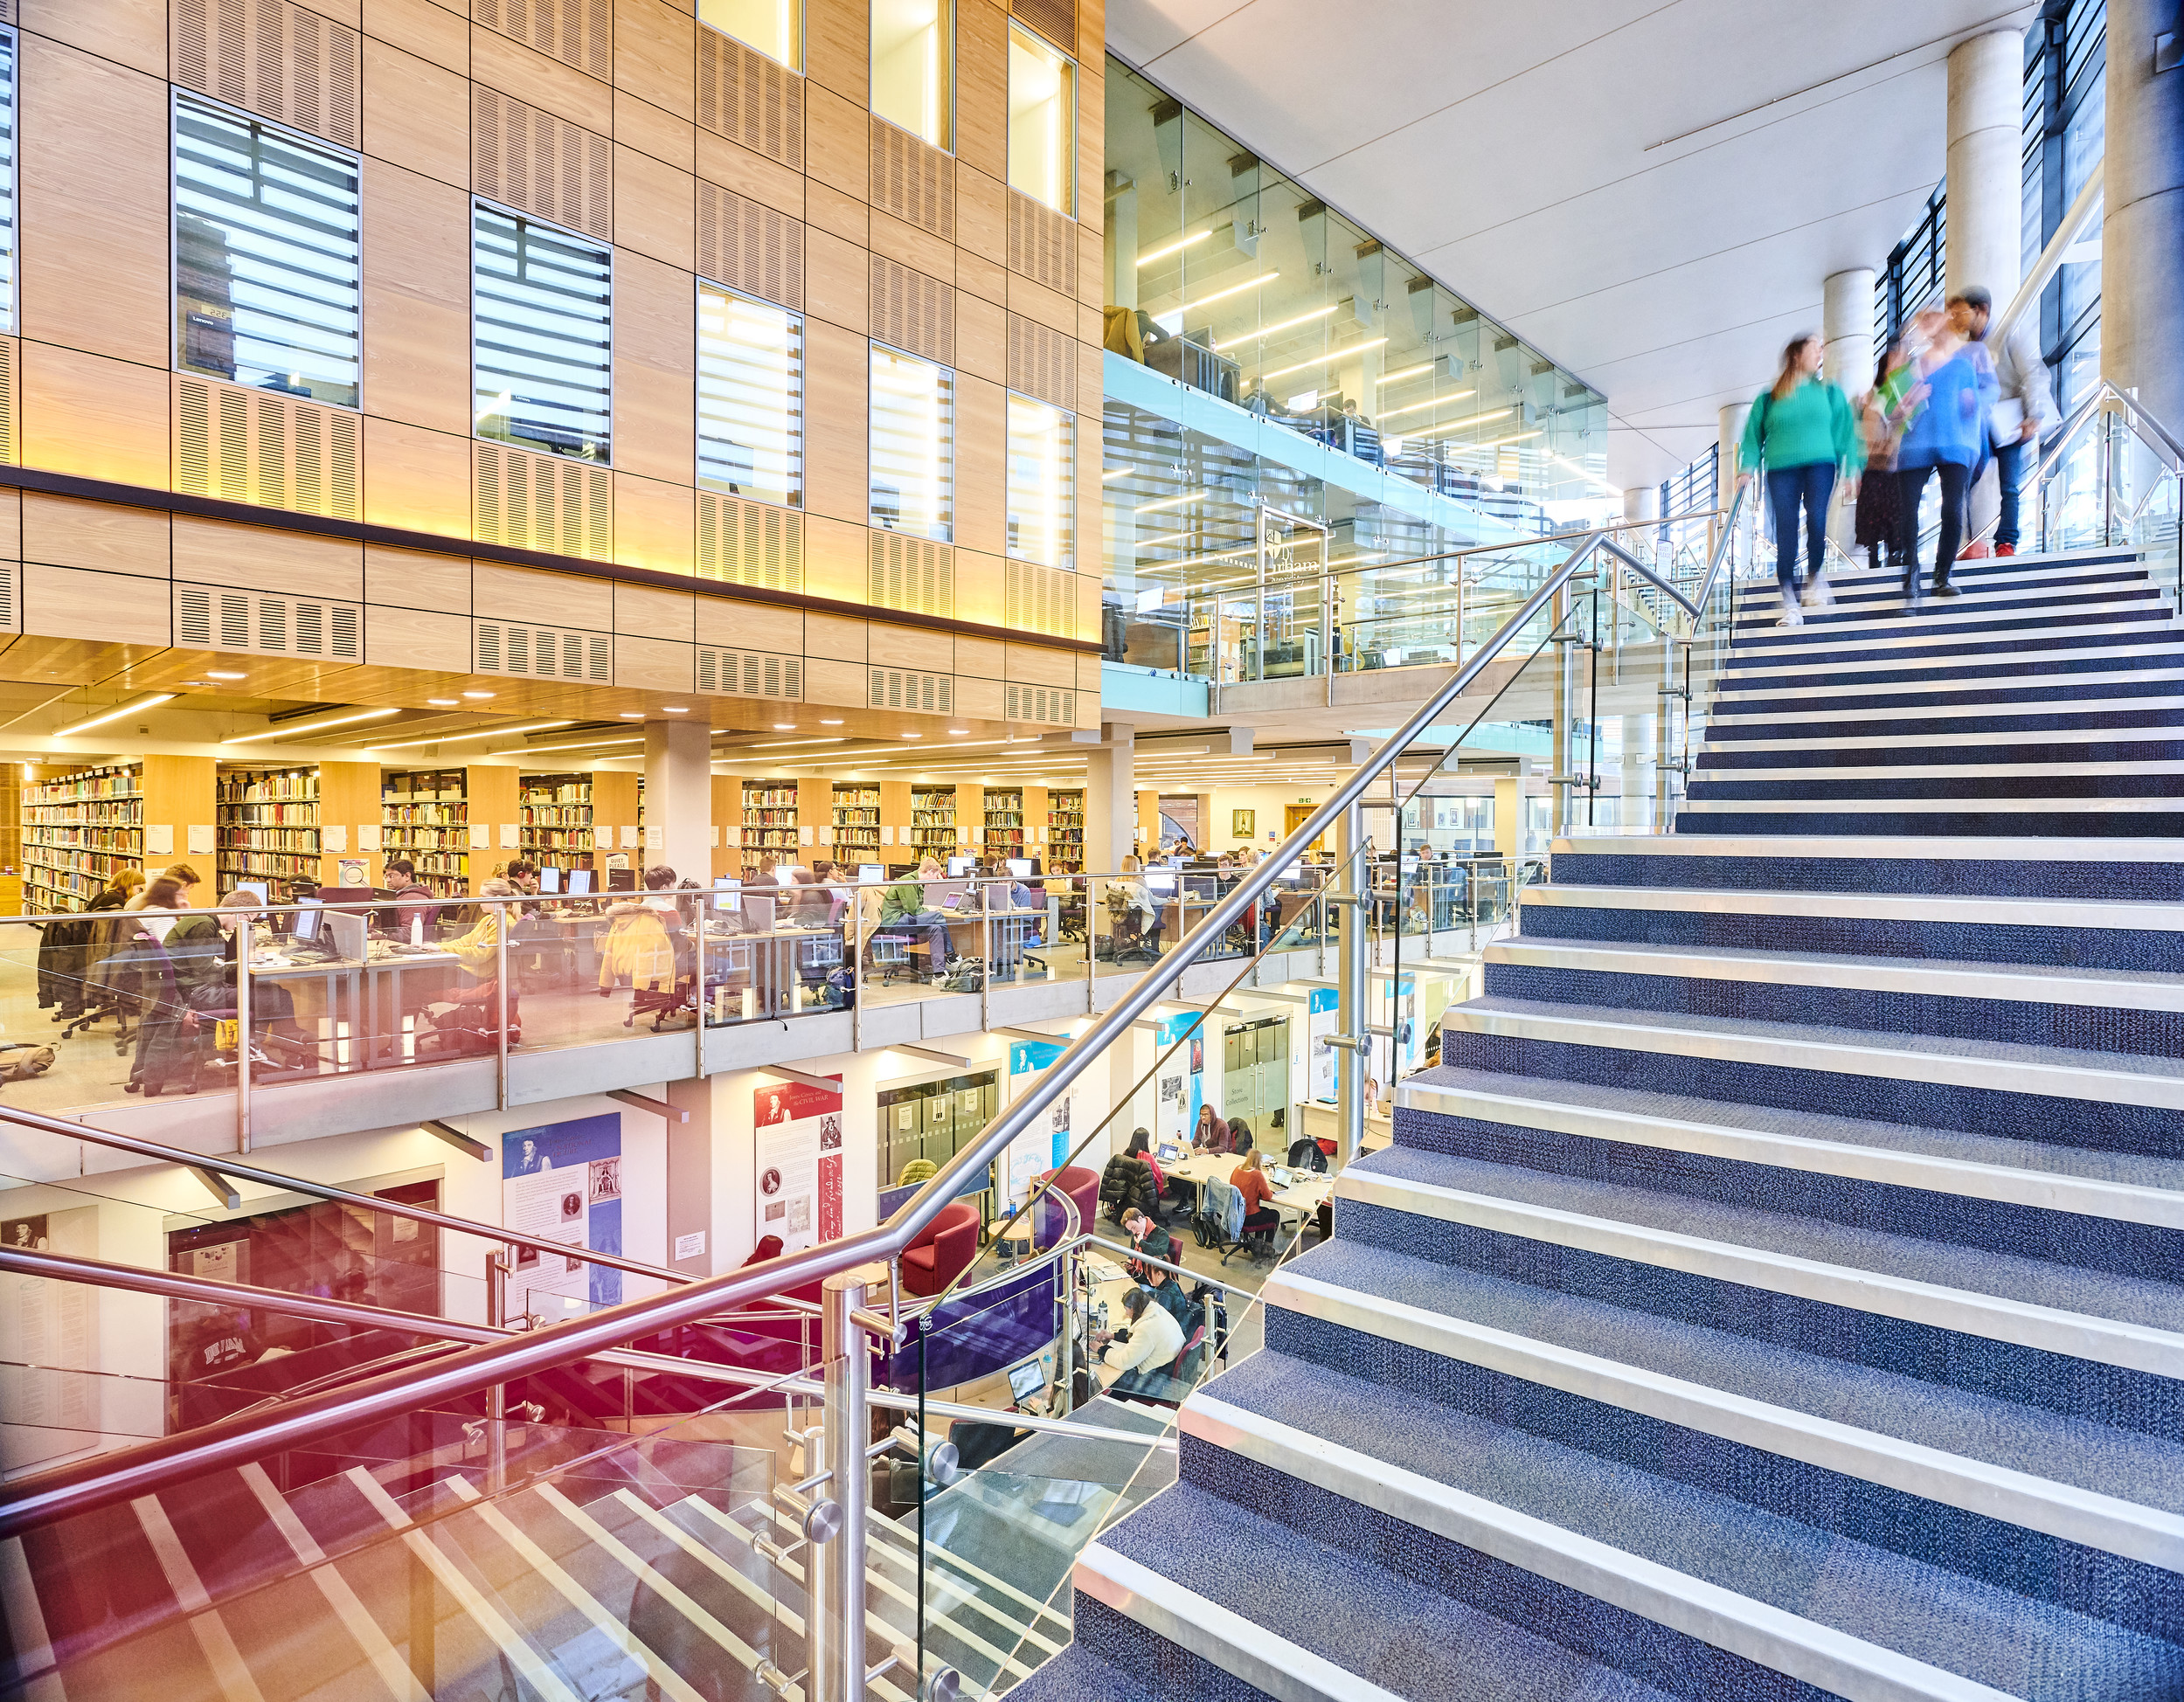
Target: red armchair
[
  {"x": 1083, "y": 1187},
  {"x": 947, "y": 1247}
]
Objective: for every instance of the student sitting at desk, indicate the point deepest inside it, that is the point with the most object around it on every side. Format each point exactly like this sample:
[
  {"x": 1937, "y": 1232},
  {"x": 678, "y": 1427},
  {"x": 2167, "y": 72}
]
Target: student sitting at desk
[
  {"x": 1250, "y": 1180},
  {"x": 1135, "y": 1359},
  {"x": 479, "y": 951},
  {"x": 903, "y": 911},
  {"x": 1212, "y": 1135},
  {"x": 1150, "y": 1239},
  {"x": 1168, "y": 1290},
  {"x": 411, "y": 902}
]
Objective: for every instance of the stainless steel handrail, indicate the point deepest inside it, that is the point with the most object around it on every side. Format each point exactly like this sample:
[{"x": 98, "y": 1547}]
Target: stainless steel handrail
[
  {"x": 1722, "y": 546},
  {"x": 148, "y": 1467},
  {"x": 1645, "y": 572}
]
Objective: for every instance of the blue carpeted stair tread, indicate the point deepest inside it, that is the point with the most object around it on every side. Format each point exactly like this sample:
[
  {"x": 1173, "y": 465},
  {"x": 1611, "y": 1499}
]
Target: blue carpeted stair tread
[
  {"x": 2024, "y": 1647},
  {"x": 1615, "y": 1018},
  {"x": 2089, "y": 1164},
  {"x": 1407, "y": 1639},
  {"x": 1075, "y": 1675},
  {"x": 2124, "y": 1464},
  {"x": 2032, "y": 1281}
]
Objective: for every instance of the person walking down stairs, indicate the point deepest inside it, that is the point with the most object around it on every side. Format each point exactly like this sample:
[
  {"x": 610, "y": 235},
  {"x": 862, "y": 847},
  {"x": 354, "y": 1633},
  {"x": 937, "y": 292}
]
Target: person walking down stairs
[
  {"x": 1946, "y": 437},
  {"x": 1803, "y": 433}
]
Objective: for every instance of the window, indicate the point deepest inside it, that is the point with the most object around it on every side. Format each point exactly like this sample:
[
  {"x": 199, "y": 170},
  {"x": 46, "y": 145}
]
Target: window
[
  {"x": 1041, "y": 482},
  {"x": 750, "y": 397},
  {"x": 1041, "y": 121},
  {"x": 7, "y": 180},
  {"x": 912, "y": 67},
  {"x": 775, "y": 27},
  {"x": 540, "y": 336},
  {"x": 913, "y": 445},
  {"x": 268, "y": 273}
]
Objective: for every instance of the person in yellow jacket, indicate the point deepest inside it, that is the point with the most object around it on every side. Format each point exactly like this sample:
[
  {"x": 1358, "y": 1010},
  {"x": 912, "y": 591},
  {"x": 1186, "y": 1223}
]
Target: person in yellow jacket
[
  {"x": 639, "y": 947},
  {"x": 479, "y": 951}
]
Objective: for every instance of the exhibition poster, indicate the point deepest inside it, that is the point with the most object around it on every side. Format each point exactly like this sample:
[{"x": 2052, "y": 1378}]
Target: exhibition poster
[
  {"x": 561, "y": 1184},
  {"x": 798, "y": 1153},
  {"x": 1045, "y": 1144},
  {"x": 1323, "y": 1018}
]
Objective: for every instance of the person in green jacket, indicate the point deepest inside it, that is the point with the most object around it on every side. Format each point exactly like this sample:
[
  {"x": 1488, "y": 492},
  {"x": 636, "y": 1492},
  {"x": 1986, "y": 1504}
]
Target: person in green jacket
[
  {"x": 903, "y": 911},
  {"x": 1803, "y": 432}
]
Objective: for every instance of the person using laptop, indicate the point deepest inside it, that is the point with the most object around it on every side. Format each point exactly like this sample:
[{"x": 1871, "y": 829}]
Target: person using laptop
[
  {"x": 903, "y": 910},
  {"x": 1133, "y": 1360}
]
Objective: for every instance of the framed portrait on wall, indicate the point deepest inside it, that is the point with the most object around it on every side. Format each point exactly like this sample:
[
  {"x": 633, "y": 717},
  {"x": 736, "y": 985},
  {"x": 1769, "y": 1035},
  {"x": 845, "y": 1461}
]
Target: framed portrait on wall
[{"x": 1243, "y": 823}]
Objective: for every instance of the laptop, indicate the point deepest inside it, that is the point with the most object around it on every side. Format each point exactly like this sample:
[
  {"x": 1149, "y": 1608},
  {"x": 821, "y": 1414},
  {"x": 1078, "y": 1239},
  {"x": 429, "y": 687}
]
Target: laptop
[
  {"x": 1170, "y": 1153},
  {"x": 1026, "y": 1381}
]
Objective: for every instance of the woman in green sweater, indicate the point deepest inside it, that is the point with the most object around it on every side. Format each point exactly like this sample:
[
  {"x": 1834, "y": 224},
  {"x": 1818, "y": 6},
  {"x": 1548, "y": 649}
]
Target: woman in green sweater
[{"x": 1803, "y": 433}]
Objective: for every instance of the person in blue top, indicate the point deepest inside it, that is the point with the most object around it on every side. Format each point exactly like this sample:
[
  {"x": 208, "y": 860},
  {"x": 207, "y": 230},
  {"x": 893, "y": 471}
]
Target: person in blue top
[
  {"x": 1803, "y": 432},
  {"x": 1947, "y": 435}
]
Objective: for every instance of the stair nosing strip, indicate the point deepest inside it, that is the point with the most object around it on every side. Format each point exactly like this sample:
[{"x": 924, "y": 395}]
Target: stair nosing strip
[
  {"x": 2064, "y": 1511},
  {"x": 2145, "y": 1089},
  {"x": 2043, "y": 1190},
  {"x": 2172, "y": 733},
  {"x": 1882, "y": 846},
  {"x": 1999, "y": 983},
  {"x": 2099, "y": 804},
  {"x": 1996, "y": 1318},
  {"x": 1243, "y": 1647},
  {"x": 2127, "y": 915},
  {"x": 1769, "y": 1636}
]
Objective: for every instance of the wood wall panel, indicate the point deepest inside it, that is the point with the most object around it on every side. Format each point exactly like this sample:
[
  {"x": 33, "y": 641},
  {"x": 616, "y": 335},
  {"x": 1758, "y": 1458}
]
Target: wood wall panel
[
  {"x": 415, "y": 579},
  {"x": 412, "y": 638},
  {"x": 908, "y": 246},
  {"x": 839, "y": 685},
  {"x": 831, "y": 636},
  {"x": 749, "y": 626},
  {"x": 981, "y": 93},
  {"x": 416, "y": 478},
  {"x": 650, "y": 130},
  {"x": 416, "y": 299},
  {"x": 656, "y": 368},
  {"x": 836, "y": 559},
  {"x": 1049, "y": 308},
  {"x": 67, "y": 533},
  {"x": 654, "y": 523},
  {"x": 417, "y": 115},
  {"x": 982, "y": 596},
  {"x": 838, "y": 45},
  {"x": 837, "y": 143},
  {"x": 981, "y": 442},
  {"x": 430, "y": 31},
  {"x": 649, "y": 612},
  {"x": 978, "y": 699},
  {"x": 537, "y": 80},
  {"x": 981, "y": 659},
  {"x": 655, "y": 209},
  {"x": 836, "y": 364},
  {"x": 980, "y": 338},
  {"x": 65, "y": 602},
  {"x": 654, "y": 664},
  {"x": 553, "y": 600},
  {"x": 1034, "y": 666},
  {"x": 100, "y": 418},
  {"x": 655, "y": 50},
  {"x": 836, "y": 278},
  {"x": 128, "y": 33},
  {"x": 837, "y": 213},
  {"x": 94, "y": 205},
  {"x": 751, "y": 175},
  {"x": 981, "y": 215},
  {"x": 218, "y": 552}
]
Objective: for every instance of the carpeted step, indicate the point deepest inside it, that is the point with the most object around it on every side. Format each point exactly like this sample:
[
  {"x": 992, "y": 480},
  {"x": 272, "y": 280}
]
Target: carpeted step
[
  {"x": 1076, "y": 1675},
  {"x": 2141, "y": 871},
  {"x": 1970, "y": 817},
  {"x": 1735, "y": 732},
  {"x": 1858, "y": 748}
]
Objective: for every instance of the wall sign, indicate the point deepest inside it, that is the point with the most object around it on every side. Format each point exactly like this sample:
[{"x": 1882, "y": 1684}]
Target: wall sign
[
  {"x": 798, "y": 1148},
  {"x": 562, "y": 1182}
]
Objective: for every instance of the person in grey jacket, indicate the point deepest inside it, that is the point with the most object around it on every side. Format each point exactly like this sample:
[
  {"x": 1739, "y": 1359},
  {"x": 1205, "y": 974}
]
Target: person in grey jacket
[{"x": 2025, "y": 404}]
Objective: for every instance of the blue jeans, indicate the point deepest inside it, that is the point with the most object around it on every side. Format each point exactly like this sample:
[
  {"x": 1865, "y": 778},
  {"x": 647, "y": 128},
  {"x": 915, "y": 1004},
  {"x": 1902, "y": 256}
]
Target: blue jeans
[
  {"x": 2009, "y": 470},
  {"x": 1788, "y": 487}
]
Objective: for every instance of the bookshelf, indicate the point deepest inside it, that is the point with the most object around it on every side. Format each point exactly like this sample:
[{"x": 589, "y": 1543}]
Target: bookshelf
[
  {"x": 1065, "y": 833},
  {"x": 555, "y": 816},
  {"x": 857, "y": 821},
  {"x": 426, "y": 817},
  {"x": 769, "y": 818},
  {"x": 932, "y": 822},
  {"x": 266, "y": 822},
  {"x": 1004, "y": 824},
  {"x": 78, "y": 830}
]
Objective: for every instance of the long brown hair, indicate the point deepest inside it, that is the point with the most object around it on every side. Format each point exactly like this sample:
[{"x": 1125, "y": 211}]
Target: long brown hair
[{"x": 1786, "y": 380}]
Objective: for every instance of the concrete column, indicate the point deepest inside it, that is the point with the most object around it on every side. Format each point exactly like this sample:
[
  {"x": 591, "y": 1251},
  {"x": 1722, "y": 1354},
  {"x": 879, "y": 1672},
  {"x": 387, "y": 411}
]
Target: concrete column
[
  {"x": 1110, "y": 799},
  {"x": 679, "y": 796},
  {"x": 1122, "y": 240},
  {"x": 1986, "y": 238},
  {"x": 690, "y": 1180},
  {"x": 1728, "y": 435},
  {"x": 1508, "y": 817},
  {"x": 1847, "y": 327},
  {"x": 2142, "y": 231},
  {"x": 1641, "y": 503}
]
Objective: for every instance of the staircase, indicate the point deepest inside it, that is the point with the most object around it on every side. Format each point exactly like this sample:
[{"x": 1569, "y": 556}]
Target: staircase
[{"x": 1778, "y": 1292}]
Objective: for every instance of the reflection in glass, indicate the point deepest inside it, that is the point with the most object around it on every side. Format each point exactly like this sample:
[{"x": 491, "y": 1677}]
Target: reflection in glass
[
  {"x": 541, "y": 336},
  {"x": 775, "y": 27},
  {"x": 912, "y": 68},
  {"x": 1041, "y": 481},
  {"x": 7, "y": 180},
  {"x": 268, "y": 273},
  {"x": 1041, "y": 121},
  {"x": 913, "y": 445},
  {"x": 750, "y": 397}
]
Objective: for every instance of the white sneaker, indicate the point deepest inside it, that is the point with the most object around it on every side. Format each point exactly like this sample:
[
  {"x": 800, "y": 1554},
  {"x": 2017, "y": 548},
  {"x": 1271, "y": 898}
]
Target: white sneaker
[
  {"x": 1792, "y": 616},
  {"x": 1818, "y": 595}
]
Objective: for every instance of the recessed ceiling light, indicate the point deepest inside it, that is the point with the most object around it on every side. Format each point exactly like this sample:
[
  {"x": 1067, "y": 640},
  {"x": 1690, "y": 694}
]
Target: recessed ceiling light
[
  {"x": 783, "y": 726},
  {"x": 632, "y": 715},
  {"x": 830, "y": 724},
  {"x": 221, "y": 673},
  {"x": 959, "y": 731},
  {"x": 913, "y": 735},
  {"x": 445, "y": 702},
  {"x": 675, "y": 709},
  {"x": 193, "y": 683},
  {"x": 478, "y": 695}
]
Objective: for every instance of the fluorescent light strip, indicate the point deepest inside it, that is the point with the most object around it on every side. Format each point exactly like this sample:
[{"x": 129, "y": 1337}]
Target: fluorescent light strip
[
  {"x": 1165, "y": 537},
  {"x": 581, "y": 744},
  {"x": 1585, "y": 473},
  {"x": 457, "y": 739},
  {"x": 1323, "y": 360},
  {"x": 1461, "y": 425},
  {"x": 1265, "y": 331},
  {"x": 1114, "y": 473},
  {"x": 316, "y": 727},
  {"x": 1152, "y": 256},
  {"x": 1432, "y": 402},
  {"x": 1409, "y": 372},
  {"x": 151, "y": 701},
  {"x": 1171, "y": 502},
  {"x": 1194, "y": 302},
  {"x": 784, "y": 743}
]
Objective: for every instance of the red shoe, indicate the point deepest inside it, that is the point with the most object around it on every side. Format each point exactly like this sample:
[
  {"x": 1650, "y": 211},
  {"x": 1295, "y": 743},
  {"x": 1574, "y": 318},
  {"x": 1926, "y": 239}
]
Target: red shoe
[
  {"x": 2005, "y": 549},
  {"x": 1974, "y": 552}
]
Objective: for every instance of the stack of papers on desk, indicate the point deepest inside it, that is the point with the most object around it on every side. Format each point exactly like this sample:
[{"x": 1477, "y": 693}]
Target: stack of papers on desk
[{"x": 1104, "y": 1270}]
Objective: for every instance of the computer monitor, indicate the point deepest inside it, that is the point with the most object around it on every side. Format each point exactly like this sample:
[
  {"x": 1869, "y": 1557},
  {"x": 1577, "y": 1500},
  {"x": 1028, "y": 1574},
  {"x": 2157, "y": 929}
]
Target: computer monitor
[
  {"x": 960, "y": 867},
  {"x": 1160, "y": 881},
  {"x": 1021, "y": 868},
  {"x": 255, "y": 889},
  {"x": 621, "y": 880},
  {"x": 306, "y": 920},
  {"x": 1026, "y": 1380},
  {"x": 550, "y": 881},
  {"x": 579, "y": 883},
  {"x": 871, "y": 875},
  {"x": 727, "y": 893},
  {"x": 345, "y": 933}
]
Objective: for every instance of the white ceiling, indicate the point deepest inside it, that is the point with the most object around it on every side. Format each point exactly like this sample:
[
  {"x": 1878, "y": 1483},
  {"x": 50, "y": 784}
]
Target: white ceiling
[{"x": 1650, "y": 194}]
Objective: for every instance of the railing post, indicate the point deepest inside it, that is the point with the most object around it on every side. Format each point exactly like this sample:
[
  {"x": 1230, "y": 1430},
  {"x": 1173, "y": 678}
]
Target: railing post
[
  {"x": 1351, "y": 1017},
  {"x": 500, "y": 998},
  {"x": 986, "y": 953},
  {"x": 496, "y": 1268},
  {"x": 835, "y": 1622},
  {"x": 246, "y": 938}
]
